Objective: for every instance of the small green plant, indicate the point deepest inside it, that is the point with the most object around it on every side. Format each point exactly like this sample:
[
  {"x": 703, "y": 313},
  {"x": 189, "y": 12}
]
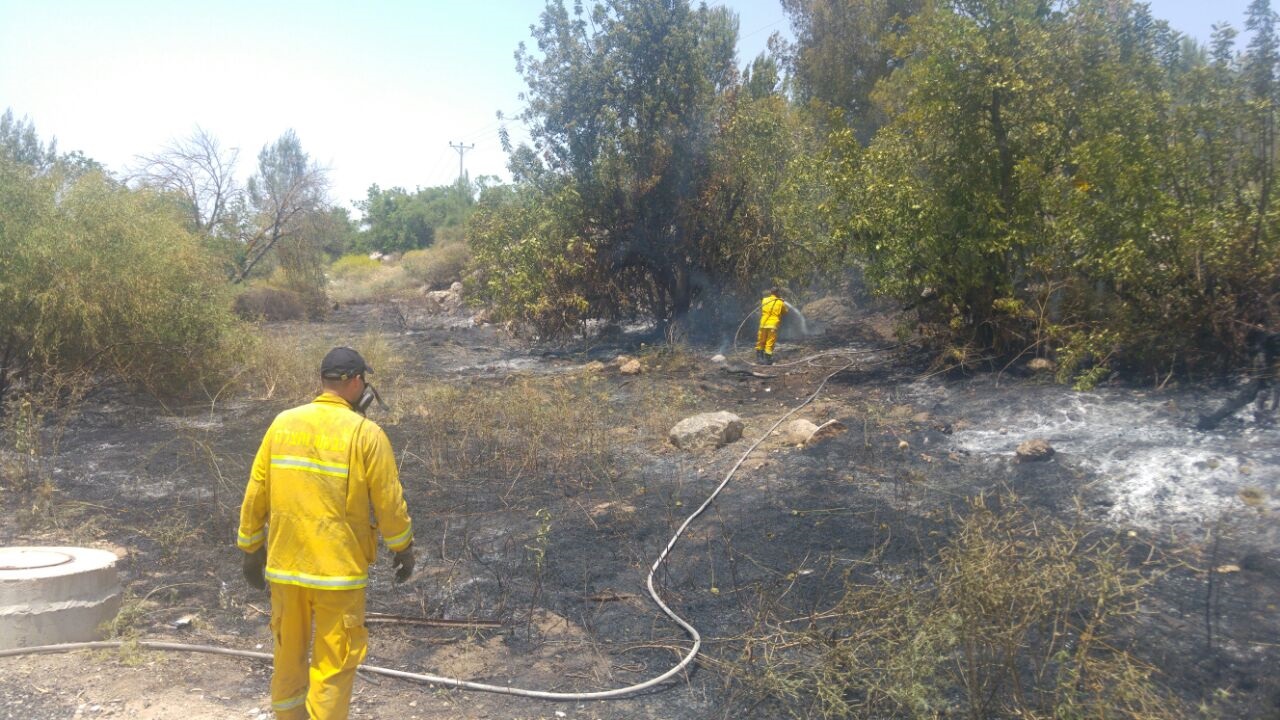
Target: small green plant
[
  {"x": 128, "y": 621},
  {"x": 536, "y": 550}
]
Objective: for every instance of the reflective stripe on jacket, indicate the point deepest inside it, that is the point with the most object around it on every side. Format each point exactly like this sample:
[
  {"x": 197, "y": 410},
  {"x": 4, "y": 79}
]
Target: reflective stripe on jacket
[
  {"x": 322, "y": 471},
  {"x": 771, "y": 311}
]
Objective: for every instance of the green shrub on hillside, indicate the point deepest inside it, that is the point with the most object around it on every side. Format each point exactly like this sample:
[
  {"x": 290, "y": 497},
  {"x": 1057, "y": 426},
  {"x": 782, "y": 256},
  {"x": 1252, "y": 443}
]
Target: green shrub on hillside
[{"x": 438, "y": 266}]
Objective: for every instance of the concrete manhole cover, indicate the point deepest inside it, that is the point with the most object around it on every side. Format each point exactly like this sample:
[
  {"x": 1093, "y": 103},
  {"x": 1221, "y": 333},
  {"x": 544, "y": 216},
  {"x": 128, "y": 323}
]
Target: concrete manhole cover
[
  {"x": 31, "y": 558},
  {"x": 52, "y": 595}
]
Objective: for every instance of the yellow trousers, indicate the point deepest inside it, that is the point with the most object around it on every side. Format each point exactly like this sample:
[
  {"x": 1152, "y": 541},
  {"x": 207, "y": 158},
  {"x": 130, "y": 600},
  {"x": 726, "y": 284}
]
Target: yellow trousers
[
  {"x": 321, "y": 689},
  {"x": 765, "y": 340}
]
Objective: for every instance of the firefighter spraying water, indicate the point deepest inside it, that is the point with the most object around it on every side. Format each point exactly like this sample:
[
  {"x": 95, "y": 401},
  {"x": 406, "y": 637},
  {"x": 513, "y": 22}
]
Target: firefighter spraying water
[{"x": 772, "y": 310}]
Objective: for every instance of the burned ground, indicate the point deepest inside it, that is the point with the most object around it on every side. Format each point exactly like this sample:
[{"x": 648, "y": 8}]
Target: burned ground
[{"x": 549, "y": 526}]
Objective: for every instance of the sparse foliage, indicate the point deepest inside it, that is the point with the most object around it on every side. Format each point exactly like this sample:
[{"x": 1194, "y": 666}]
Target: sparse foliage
[{"x": 201, "y": 173}]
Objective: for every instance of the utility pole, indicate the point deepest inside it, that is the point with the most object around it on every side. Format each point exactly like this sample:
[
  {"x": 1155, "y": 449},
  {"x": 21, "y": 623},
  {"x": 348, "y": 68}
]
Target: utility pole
[{"x": 462, "y": 150}]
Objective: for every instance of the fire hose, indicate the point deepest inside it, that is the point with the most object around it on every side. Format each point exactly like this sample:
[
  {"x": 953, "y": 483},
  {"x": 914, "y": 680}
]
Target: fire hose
[{"x": 486, "y": 687}]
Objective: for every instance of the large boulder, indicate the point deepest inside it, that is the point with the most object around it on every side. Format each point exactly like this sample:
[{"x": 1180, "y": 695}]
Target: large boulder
[
  {"x": 631, "y": 367},
  {"x": 708, "y": 430},
  {"x": 443, "y": 300}
]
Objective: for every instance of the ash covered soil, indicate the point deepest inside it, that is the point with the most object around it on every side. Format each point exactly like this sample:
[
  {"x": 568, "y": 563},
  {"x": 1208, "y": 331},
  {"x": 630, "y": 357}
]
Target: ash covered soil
[{"x": 559, "y": 561}]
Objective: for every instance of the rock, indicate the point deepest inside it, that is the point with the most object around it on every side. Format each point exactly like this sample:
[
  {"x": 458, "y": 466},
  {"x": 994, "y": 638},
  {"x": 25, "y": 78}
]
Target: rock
[
  {"x": 708, "y": 430},
  {"x": 622, "y": 360},
  {"x": 719, "y": 359},
  {"x": 826, "y": 431},
  {"x": 1042, "y": 365},
  {"x": 803, "y": 432},
  {"x": 798, "y": 432},
  {"x": 442, "y": 300},
  {"x": 1035, "y": 450},
  {"x": 631, "y": 368}
]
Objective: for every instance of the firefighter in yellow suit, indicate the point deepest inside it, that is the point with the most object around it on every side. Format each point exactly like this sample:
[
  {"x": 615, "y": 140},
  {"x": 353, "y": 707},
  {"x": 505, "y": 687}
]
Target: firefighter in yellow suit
[
  {"x": 322, "y": 472},
  {"x": 772, "y": 308}
]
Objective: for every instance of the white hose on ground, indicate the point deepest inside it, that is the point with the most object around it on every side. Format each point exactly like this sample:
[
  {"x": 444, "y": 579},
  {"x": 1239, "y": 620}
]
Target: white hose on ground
[{"x": 485, "y": 687}]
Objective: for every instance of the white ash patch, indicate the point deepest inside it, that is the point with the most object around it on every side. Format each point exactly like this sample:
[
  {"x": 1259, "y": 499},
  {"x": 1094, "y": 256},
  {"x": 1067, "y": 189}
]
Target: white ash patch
[{"x": 1159, "y": 471}]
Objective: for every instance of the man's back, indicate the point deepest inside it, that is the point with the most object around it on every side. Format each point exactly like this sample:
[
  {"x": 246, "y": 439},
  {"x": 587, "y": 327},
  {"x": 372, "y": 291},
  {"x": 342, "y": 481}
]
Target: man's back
[{"x": 320, "y": 472}]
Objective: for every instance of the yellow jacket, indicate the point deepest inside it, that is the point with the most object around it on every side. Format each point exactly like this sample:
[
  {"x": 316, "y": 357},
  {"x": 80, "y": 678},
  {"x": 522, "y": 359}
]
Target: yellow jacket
[
  {"x": 771, "y": 311},
  {"x": 321, "y": 469}
]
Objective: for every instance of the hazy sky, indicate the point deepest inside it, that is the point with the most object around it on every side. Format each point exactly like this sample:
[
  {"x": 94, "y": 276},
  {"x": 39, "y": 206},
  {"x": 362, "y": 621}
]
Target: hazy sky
[{"x": 376, "y": 91}]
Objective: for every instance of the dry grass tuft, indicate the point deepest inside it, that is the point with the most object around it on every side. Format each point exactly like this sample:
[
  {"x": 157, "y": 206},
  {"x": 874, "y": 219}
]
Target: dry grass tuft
[
  {"x": 386, "y": 282},
  {"x": 1017, "y": 616},
  {"x": 572, "y": 429}
]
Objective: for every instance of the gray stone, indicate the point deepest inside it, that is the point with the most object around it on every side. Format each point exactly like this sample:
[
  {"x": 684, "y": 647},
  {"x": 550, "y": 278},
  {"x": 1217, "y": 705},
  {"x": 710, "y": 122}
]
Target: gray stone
[{"x": 708, "y": 430}]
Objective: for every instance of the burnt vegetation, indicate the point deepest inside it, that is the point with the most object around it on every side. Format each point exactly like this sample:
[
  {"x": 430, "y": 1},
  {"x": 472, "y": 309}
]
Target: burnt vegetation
[{"x": 976, "y": 183}]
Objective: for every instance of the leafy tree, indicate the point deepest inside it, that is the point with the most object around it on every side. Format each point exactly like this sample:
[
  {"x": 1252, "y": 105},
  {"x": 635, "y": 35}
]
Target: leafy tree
[
  {"x": 620, "y": 105},
  {"x": 842, "y": 49},
  {"x": 945, "y": 203},
  {"x": 762, "y": 78},
  {"x": 397, "y": 221},
  {"x": 1070, "y": 178},
  {"x": 531, "y": 264},
  {"x": 19, "y": 142},
  {"x": 332, "y": 230},
  {"x": 287, "y": 188},
  {"x": 758, "y": 210}
]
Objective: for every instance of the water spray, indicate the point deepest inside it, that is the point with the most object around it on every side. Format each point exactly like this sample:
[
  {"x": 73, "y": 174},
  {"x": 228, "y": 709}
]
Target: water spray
[{"x": 804, "y": 324}]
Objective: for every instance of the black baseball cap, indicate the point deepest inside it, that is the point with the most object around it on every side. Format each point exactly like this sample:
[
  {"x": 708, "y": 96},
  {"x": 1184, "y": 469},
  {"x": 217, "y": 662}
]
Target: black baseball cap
[{"x": 341, "y": 363}]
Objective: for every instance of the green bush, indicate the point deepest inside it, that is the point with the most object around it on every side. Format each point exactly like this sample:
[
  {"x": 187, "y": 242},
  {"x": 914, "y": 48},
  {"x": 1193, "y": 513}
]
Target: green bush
[
  {"x": 265, "y": 302},
  {"x": 98, "y": 278},
  {"x": 353, "y": 267},
  {"x": 438, "y": 266}
]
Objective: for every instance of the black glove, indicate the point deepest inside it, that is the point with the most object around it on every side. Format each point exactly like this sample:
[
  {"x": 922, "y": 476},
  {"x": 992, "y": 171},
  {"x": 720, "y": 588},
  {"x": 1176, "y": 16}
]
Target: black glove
[
  {"x": 403, "y": 563},
  {"x": 255, "y": 568}
]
